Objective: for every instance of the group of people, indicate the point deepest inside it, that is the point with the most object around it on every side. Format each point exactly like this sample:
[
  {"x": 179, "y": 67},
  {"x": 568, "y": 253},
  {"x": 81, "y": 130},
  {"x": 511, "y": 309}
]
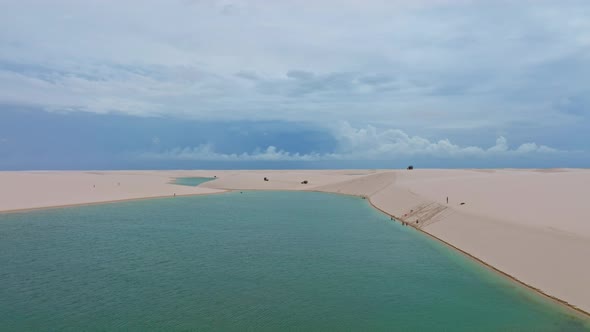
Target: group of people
[{"x": 405, "y": 223}]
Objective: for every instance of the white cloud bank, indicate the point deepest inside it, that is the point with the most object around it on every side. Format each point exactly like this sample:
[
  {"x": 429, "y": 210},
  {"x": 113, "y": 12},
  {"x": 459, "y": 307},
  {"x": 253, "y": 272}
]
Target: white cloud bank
[{"x": 368, "y": 143}]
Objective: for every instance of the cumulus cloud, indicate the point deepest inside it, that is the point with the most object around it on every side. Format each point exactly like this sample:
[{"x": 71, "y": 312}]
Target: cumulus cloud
[
  {"x": 368, "y": 143},
  {"x": 206, "y": 152}
]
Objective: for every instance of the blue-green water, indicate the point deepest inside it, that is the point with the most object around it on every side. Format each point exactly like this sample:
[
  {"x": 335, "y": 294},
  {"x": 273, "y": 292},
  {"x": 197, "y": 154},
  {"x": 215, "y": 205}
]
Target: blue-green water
[
  {"x": 253, "y": 261},
  {"x": 192, "y": 181}
]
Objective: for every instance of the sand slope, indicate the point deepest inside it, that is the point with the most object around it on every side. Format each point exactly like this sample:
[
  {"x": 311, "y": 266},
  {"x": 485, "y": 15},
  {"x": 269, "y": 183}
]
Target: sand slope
[{"x": 531, "y": 224}]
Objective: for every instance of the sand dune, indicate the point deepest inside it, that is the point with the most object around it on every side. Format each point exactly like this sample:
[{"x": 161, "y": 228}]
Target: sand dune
[{"x": 531, "y": 224}]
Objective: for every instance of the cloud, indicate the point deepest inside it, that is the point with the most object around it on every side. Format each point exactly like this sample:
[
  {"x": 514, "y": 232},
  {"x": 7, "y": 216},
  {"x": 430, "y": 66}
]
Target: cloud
[
  {"x": 532, "y": 147},
  {"x": 366, "y": 143},
  {"x": 431, "y": 68},
  {"x": 247, "y": 75},
  {"x": 300, "y": 75},
  {"x": 206, "y": 152},
  {"x": 376, "y": 79},
  {"x": 501, "y": 145},
  {"x": 575, "y": 105},
  {"x": 280, "y": 61}
]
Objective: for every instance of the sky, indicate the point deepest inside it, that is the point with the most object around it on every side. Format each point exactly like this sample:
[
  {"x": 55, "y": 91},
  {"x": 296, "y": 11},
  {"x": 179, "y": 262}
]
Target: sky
[{"x": 294, "y": 84}]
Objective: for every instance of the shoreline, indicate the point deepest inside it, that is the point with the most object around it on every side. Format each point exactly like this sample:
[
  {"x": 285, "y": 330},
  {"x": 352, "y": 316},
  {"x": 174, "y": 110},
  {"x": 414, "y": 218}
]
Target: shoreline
[
  {"x": 65, "y": 206},
  {"x": 490, "y": 267},
  {"x": 564, "y": 304}
]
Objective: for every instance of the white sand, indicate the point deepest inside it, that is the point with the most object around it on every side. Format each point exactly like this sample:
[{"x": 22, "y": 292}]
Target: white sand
[
  {"x": 26, "y": 190},
  {"x": 533, "y": 225}
]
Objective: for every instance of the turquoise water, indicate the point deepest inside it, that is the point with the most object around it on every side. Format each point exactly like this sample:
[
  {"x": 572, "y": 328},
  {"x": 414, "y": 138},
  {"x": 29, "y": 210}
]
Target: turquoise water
[
  {"x": 253, "y": 261},
  {"x": 192, "y": 181}
]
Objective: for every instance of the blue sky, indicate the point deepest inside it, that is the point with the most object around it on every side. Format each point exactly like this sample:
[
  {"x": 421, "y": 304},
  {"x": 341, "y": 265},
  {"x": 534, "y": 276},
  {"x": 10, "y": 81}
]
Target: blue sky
[{"x": 290, "y": 84}]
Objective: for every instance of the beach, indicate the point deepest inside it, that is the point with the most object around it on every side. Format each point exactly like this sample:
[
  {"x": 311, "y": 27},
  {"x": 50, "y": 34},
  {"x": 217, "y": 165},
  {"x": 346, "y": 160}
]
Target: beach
[{"x": 529, "y": 224}]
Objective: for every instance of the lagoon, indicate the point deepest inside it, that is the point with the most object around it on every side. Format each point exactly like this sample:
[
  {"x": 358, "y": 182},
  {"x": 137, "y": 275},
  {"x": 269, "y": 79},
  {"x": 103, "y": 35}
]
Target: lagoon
[
  {"x": 191, "y": 181},
  {"x": 252, "y": 261}
]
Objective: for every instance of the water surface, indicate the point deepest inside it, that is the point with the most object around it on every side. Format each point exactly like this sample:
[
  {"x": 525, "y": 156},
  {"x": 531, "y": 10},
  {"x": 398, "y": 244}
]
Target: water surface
[
  {"x": 191, "y": 181},
  {"x": 253, "y": 261}
]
